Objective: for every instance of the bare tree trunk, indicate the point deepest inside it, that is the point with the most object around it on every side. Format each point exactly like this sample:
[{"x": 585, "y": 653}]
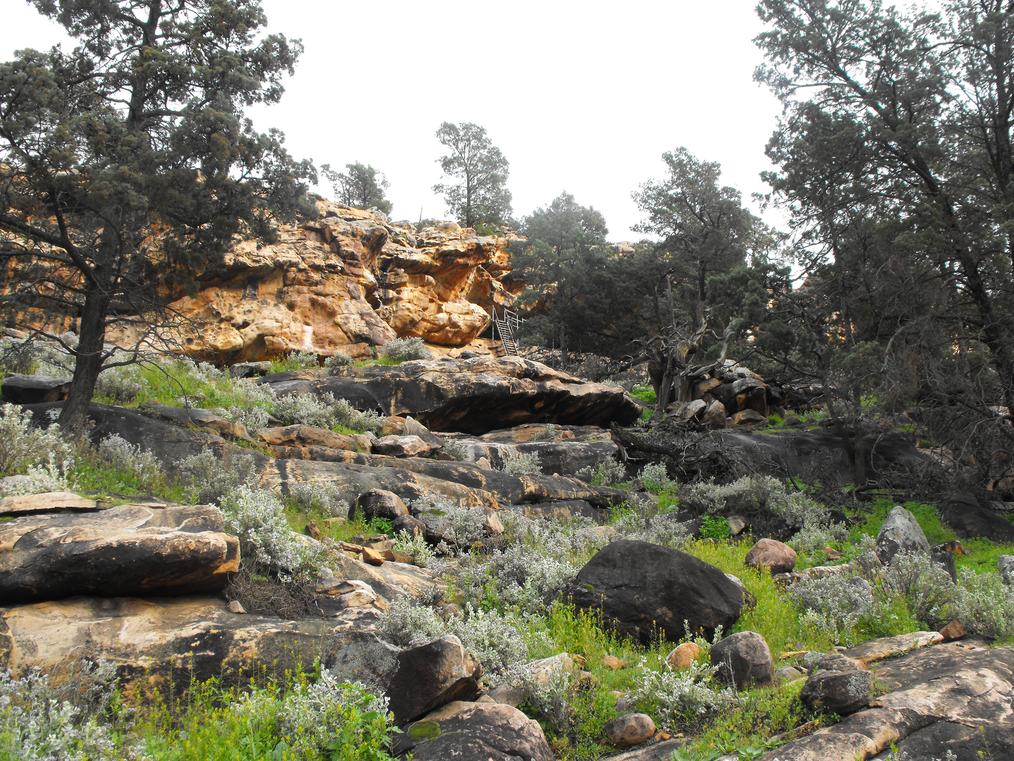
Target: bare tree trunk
[{"x": 91, "y": 340}]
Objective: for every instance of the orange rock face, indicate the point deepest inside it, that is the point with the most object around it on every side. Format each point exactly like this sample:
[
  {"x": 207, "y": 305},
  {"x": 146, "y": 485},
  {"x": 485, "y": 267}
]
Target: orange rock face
[{"x": 345, "y": 282}]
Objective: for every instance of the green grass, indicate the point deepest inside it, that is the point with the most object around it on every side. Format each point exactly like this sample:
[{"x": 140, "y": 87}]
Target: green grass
[
  {"x": 644, "y": 394},
  {"x": 216, "y": 724},
  {"x": 99, "y": 479},
  {"x": 338, "y": 530}
]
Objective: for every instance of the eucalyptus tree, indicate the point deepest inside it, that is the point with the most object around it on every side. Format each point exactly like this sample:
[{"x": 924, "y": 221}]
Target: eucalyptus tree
[
  {"x": 476, "y": 193},
  {"x": 128, "y": 158},
  {"x": 360, "y": 186}
]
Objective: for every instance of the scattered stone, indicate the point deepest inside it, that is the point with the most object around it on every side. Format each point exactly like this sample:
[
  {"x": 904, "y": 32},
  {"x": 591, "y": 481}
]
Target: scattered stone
[
  {"x": 379, "y": 503},
  {"x": 170, "y": 642},
  {"x": 838, "y": 685},
  {"x": 613, "y": 663},
  {"x": 900, "y": 533},
  {"x": 432, "y": 675},
  {"x": 125, "y": 550},
  {"x": 715, "y": 415},
  {"x": 34, "y": 389},
  {"x": 773, "y": 555},
  {"x": 743, "y": 660},
  {"x": 955, "y": 696},
  {"x": 664, "y": 750},
  {"x": 748, "y": 417},
  {"x": 643, "y": 588},
  {"x": 954, "y": 630},
  {"x": 403, "y": 446},
  {"x": 682, "y": 656},
  {"x": 235, "y": 606},
  {"x": 630, "y": 729},
  {"x": 474, "y": 732}
]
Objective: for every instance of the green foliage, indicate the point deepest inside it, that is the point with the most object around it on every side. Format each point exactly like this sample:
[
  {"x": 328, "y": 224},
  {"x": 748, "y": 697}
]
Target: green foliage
[
  {"x": 359, "y": 186},
  {"x": 645, "y": 394},
  {"x": 400, "y": 350},
  {"x": 715, "y": 527},
  {"x": 160, "y": 138},
  {"x": 477, "y": 191},
  {"x": 296, "y": 360}
]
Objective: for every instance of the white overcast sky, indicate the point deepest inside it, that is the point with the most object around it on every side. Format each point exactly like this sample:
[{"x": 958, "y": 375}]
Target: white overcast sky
[{"x": 580, "y": 96}]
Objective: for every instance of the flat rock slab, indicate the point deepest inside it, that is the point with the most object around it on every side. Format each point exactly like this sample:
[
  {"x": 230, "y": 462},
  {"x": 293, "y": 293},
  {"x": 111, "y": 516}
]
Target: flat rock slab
[
  {"x": 891, "y": 647},
  {"x": 32, "y": 389},
  {"x": 477, "y": 395},
  {"x": 929, "y": 695},
  {"x": 166, "y": 643},
  {"x": 129, "y": 549},
  {"x": 47, "y": 502}
]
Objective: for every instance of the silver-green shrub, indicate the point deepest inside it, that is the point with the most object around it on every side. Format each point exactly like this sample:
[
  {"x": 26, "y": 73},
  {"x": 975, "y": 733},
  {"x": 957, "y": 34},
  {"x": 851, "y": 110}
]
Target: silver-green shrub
[
  {"x": 834, "y": 605},
  {"x": 23, "y": 444},
  {"x": 655, "y": 478},
  {"x": 925, "y": 585},
  {"x": 415, "y": 546},
  {"x": 604, "y": 473},
  {"x": 519, "y": 463},
  {"x": 678, "y": 699},
  {"x": 209, "y": 479},
  {"x": 39, "y": 722},
  {"x": 985, "y": 605},
  {"x": 323, "y": 498},
  {"x": 404, "y": 349},
  {"x": 122, "y": 384},
  {"x": 267, "y": 543},
  {"x": 120, "y": 453}
]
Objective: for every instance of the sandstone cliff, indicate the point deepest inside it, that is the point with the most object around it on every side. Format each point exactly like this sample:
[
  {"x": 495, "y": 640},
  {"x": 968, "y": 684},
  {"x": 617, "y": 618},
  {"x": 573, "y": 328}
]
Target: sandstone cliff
[{"x": 347, "y": 281}]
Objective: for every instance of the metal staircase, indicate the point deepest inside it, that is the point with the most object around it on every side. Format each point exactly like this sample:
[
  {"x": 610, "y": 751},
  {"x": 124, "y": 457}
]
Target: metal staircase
[{"x": 506, "y": 327}]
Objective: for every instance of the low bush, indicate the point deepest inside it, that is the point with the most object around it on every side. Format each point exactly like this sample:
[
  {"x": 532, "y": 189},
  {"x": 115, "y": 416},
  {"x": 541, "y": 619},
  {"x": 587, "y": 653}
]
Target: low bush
[
  {"x": 834, "y": 605},
  {"x": 42, "y": 722},
  {"x": 267, "y": 543},
  {"x": 120, "y": 385},
  {"x": 681, "y": 699},
  {"x": 605, "y": 473},
  {"x": 985, "y": 605},
  {"x": 655, "y": 478},
  {"x": 927, "y": 588},
  {"x": 519, "y": 463},
  {"x": 325, "y": 411},
  {"x": 116, "y": 451},
  {"x": 295, "y": 360},
  {"x": 321, "y": 498},
  {"x": 415, "y": 546},
  {"x": 404, "y": 349},
  {"x": 207, "y": 478},
  {"x": 24, "y": 444}
]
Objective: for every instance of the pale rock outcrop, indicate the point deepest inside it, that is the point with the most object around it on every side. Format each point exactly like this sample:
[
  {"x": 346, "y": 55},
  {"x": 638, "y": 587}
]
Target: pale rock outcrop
[{"x": 345, "y": 282}]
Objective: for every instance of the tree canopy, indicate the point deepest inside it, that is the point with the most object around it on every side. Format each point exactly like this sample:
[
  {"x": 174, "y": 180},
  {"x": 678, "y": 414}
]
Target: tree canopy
[
  {"x": 360, "y": 186},
  {"x": 476, "y": 193},
  {"x": 131, "y": 152}
]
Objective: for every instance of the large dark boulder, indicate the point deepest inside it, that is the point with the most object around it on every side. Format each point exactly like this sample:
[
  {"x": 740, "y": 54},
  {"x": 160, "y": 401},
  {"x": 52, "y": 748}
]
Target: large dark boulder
[
  {"x": 643, "y": 588},
  {"x": 970, "y": 518},
  {"x": 432, "y": 675},
  {"x": 743, "y": 660},
  {"x": 474, "y": 732},
  {"x": 125, "y": 550}
]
